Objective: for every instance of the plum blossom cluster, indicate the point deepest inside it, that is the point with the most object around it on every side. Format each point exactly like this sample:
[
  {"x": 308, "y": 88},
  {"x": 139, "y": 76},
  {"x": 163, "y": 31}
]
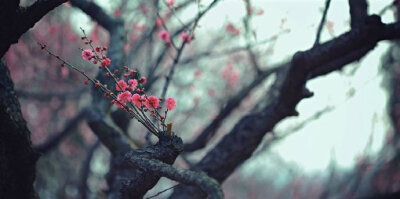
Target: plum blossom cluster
[
  {"x": 165, "y": 36},
  {"x": 186, "y": 37},
  {"x": 95, "y": 55},
  {"x": 131, "y": 97},
  {"x": 233, "y": 30},
  {"x": 129, "y": 94}
]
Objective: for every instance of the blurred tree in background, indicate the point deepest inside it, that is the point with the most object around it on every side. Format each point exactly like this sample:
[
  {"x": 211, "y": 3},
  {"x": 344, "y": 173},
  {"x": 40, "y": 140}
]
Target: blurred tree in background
[{"x": 230, "y": 89}]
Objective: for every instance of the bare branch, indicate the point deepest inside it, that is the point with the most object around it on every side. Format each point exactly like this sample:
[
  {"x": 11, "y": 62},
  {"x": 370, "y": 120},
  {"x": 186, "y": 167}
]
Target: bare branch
[
  {"x": 96, "y": 13},
  {"x": 136, "y": 182},
  {"x": 237, "y": 146},
  {"x": 200, "y": 179},
  {"x": 121, "y": 119},
  {"x": 151, "y": 76},
  {"x": 247, "y": 25},
  {"x": 280, "y": 136},
  {"x": 253, "y": 60},
  {"x": 322, "y": 22},
  {"x": 172, "y": 70},
  {"x": 109, "y": 134},
  {"x": 231, "y": 105},
  {"x": 211, "y": 54},
  {"x": 85, "y": 170},
  {"x": 358, "y": 12},
  {"x": 37, "y": 10},
  {"x": 340, "y": 63},
  {"x": 391, "y": 195}
]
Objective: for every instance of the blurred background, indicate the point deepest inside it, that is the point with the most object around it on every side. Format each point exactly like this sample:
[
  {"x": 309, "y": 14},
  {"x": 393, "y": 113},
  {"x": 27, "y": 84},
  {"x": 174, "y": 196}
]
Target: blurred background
[{"x": 342, "y": 142}]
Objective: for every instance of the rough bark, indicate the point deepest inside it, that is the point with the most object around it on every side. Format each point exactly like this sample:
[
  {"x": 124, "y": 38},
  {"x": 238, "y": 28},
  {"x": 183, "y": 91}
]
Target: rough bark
[
  {"x": 199, "y": 179},
  {"x": 134, "y": 182},
  {"x": 17, "y": 158},
  {"x": 16, "y": 20},
  {"x": 358, "y": 12}
]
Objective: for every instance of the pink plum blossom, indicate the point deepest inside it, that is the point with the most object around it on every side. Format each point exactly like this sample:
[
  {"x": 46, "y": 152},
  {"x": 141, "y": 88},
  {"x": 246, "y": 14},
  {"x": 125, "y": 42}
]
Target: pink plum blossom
[{"x": 170, "y": 103}]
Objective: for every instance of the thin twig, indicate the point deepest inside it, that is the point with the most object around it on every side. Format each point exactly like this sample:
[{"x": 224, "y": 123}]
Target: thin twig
[
  {"x": 180, "y": 50},
  {"x": 159, "y": 193},
  {"x": 163, "y": 52},
  {"x": 103, "y": 88},
  {"x": 171, "y": 71},
  {"x": 322, "y": 22}
]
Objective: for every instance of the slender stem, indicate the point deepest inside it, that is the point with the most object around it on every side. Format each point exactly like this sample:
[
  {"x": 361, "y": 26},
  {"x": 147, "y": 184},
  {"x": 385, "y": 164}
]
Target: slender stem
[
  {"x": 157, "y": 194},
  {"x": 322, "y": 22}
]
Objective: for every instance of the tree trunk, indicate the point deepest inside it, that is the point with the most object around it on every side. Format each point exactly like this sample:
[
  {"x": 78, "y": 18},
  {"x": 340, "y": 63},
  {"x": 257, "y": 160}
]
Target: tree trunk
[{"x": 17, "y": 158}]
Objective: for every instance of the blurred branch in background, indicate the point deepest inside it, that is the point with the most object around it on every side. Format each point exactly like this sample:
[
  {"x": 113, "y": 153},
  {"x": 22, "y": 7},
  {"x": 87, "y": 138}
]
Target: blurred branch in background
[
  {"x": 86, "y": 170},
  {"x": 49, "y": 96},
  {"x": 55, "y": 140}
]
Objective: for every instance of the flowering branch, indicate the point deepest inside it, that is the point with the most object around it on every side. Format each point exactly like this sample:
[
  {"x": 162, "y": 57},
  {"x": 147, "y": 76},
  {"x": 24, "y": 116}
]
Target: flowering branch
[
  {"x": 108, "y": 93},
  {"x": 134, "y": 104}
]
